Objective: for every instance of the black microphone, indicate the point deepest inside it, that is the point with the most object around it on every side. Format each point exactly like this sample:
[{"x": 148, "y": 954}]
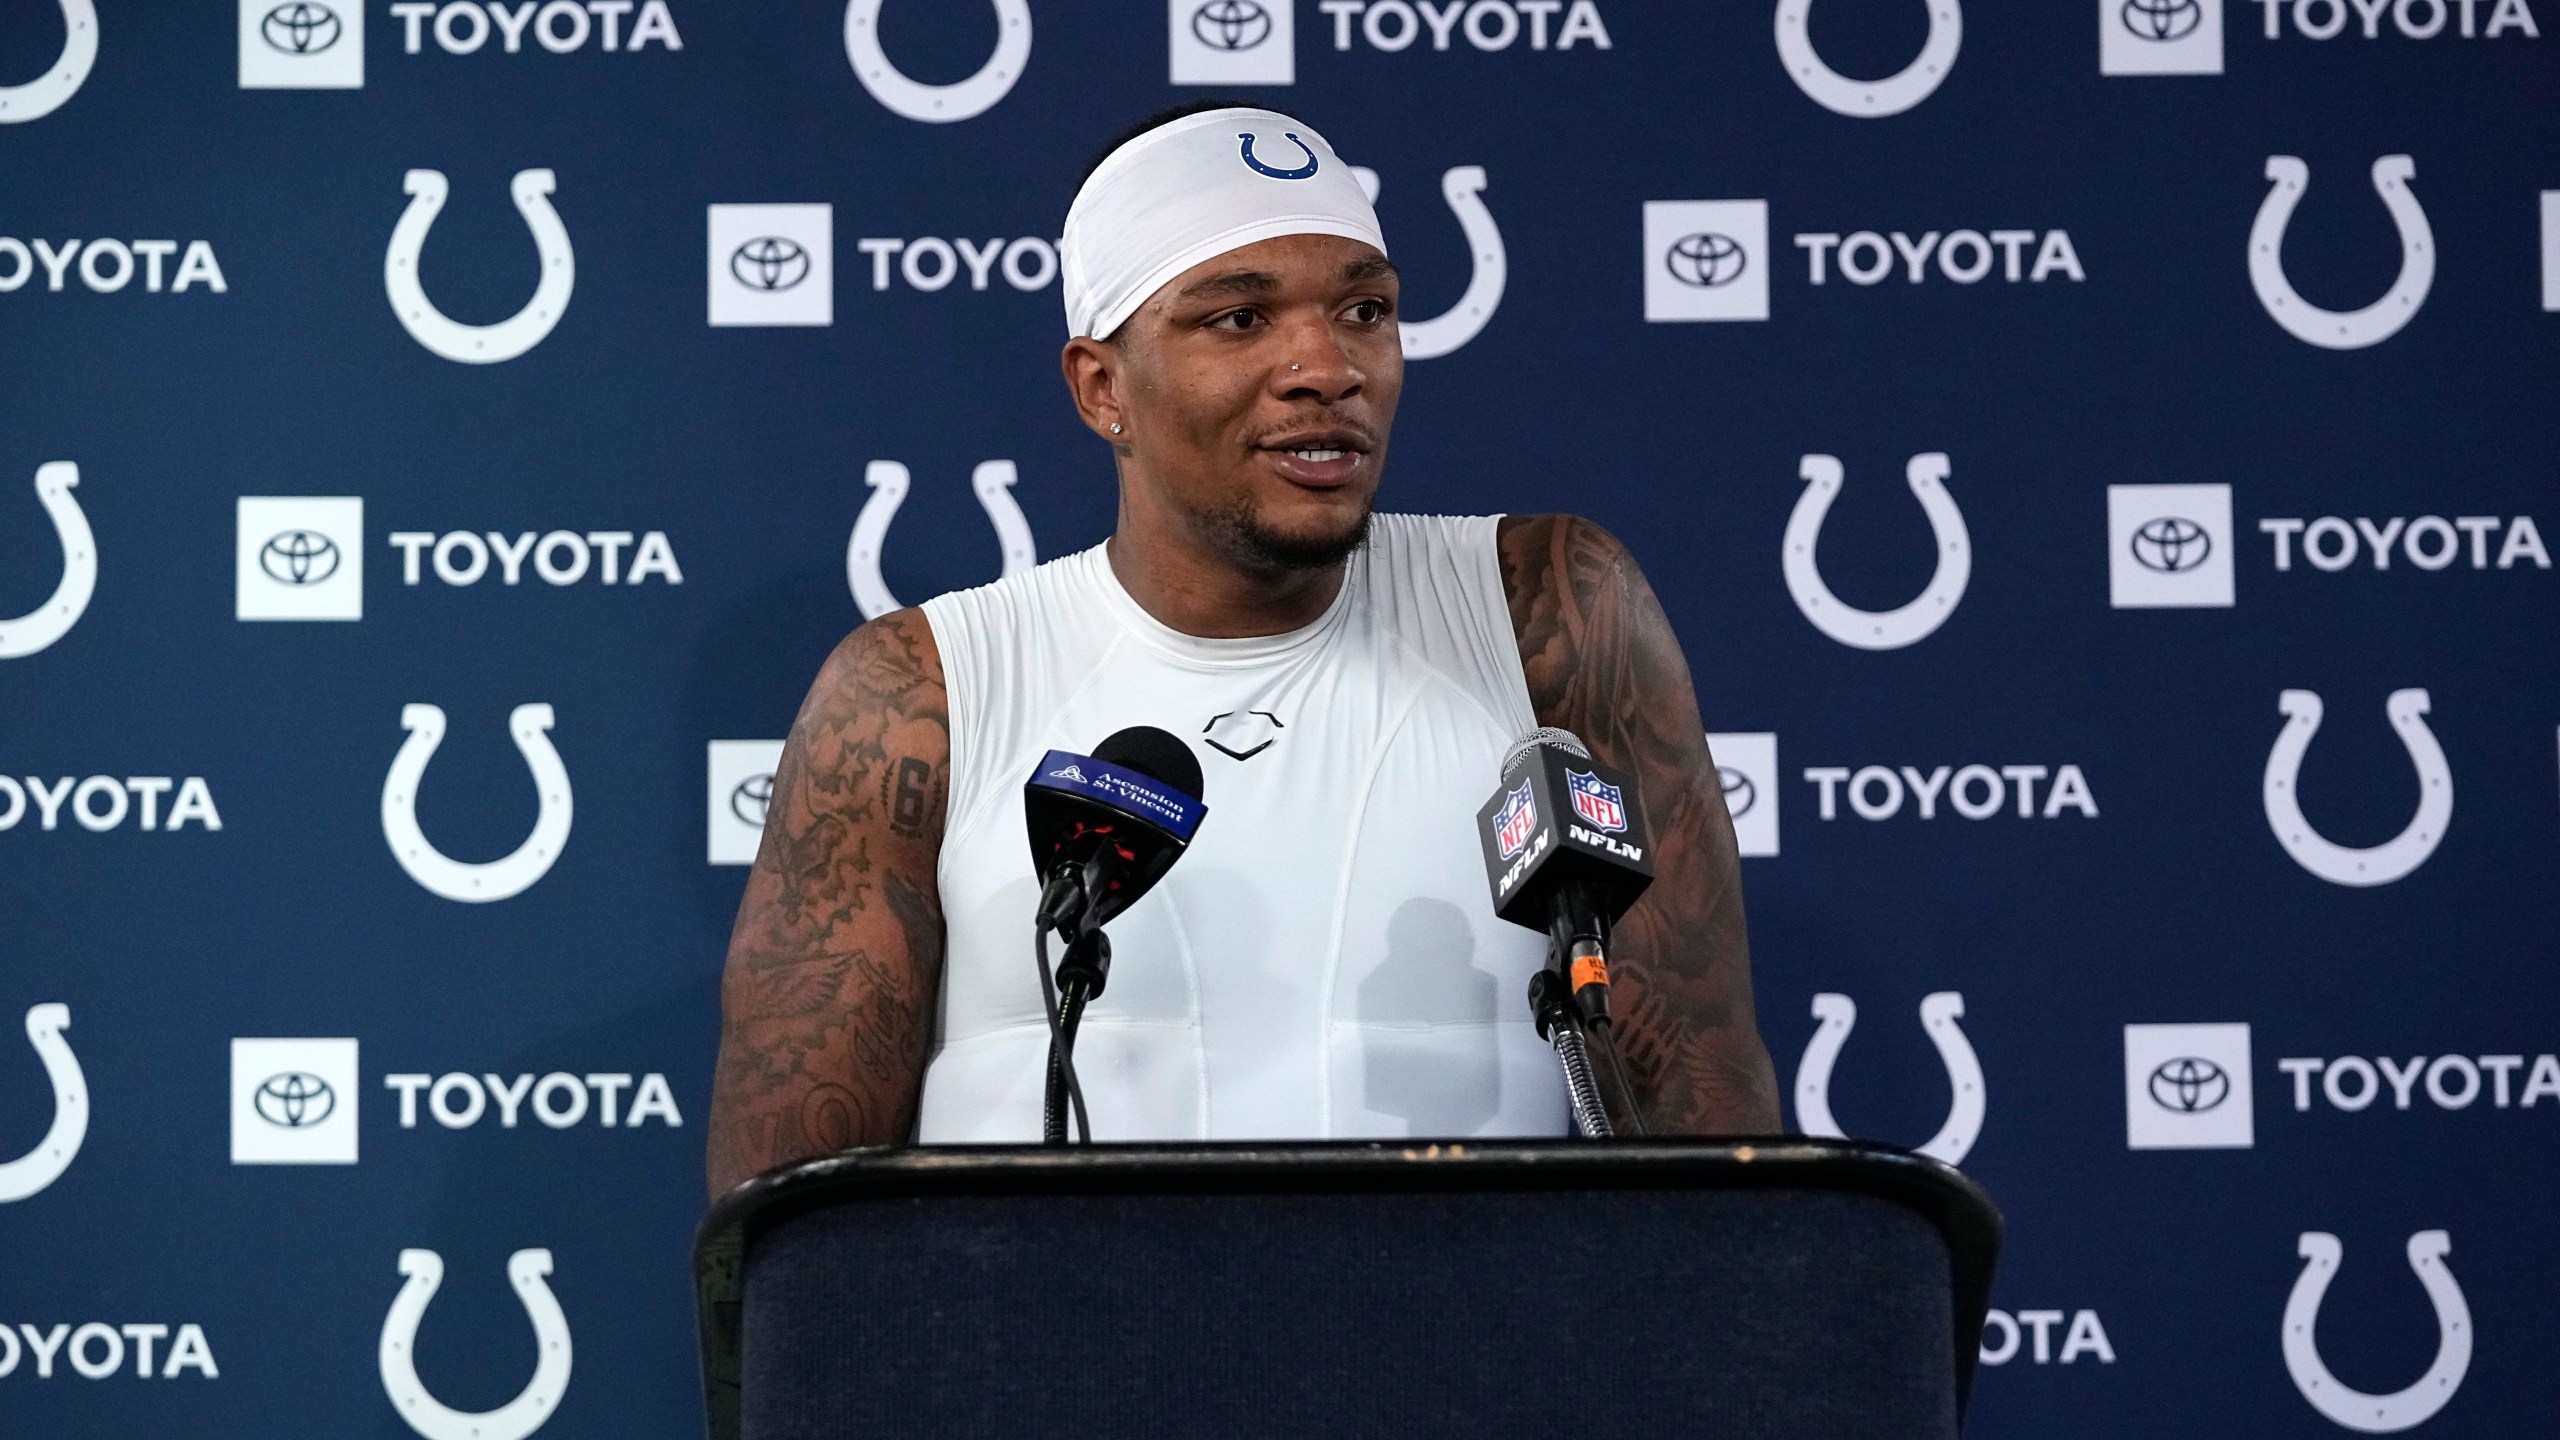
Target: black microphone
[
  {"x": 1566, "y": 852},
  {"x": 1104, "y": 828}
]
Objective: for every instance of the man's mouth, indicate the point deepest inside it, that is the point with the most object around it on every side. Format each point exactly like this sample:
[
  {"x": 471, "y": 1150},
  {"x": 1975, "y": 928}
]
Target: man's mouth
[{"x": 1319, "y": 459}]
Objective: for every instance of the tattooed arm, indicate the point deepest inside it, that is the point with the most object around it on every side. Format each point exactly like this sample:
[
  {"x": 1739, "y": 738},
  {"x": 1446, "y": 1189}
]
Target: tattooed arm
[
  {"x": 1602, "y": 662},
  {"x": 828, "y": 1000}
]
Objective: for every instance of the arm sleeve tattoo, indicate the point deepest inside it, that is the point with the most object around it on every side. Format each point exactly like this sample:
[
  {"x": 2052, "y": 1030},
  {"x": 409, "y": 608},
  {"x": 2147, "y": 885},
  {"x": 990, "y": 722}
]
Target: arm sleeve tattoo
[
  {"x": 1601, "y": 661},
  {"x": 827, "y": 1003}
]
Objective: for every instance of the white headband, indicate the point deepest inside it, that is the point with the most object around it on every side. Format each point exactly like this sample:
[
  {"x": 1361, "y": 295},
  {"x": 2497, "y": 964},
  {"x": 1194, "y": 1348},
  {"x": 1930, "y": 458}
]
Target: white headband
[{"x": 1193, "y": 188}]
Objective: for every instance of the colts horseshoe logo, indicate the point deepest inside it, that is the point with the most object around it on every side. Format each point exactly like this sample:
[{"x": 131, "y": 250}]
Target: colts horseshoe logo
[
  {"x": 935, "y": 104},
  {"x": 2342, "y": 329},
  {"x": 53, "y": 619},
  {"x": 2337, "y": 864},
  {"x": 1938, "y": 1013},
  {"x": 479, "y": 344},
  {"x": 993, "y": 480},
  {"x": 1252, "y": 163},
  {"x": 1870, "y": 99},
  {"x": 1874, "y": 629},
  {"x": 61, "y": 80},
  {"x": 1463, "y": 187},
  {"x": 53, "y": 1154},
  {"x": 498, "y": 879},
  {"x": 2402, "y": 1409},
  {"x": 518, "y": 1417}
]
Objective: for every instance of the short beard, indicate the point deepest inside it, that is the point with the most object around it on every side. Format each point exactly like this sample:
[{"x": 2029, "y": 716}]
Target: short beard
[{"x": 1240, "y": 534}]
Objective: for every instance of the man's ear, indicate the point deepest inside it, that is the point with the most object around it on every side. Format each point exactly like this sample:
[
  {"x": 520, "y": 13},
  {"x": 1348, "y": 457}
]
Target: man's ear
[{"x": 1093, "y": 373}]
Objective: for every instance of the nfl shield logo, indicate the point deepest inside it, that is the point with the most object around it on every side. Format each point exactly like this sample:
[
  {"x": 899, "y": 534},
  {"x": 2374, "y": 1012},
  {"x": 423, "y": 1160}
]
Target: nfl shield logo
[
  {"x": 1516, "y": 822},
  {"x": 1599, "y": 804}
]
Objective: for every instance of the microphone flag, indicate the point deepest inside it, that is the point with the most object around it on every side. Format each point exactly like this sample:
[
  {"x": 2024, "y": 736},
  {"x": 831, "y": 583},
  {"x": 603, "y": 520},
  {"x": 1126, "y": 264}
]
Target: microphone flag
[{"x": 1559, "y": 817}]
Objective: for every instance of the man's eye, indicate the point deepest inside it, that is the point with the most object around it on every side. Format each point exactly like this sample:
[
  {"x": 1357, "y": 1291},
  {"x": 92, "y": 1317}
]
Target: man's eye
[
  {"x": 1368, "y": 312},
  {"x": 1235, "y": 320}
]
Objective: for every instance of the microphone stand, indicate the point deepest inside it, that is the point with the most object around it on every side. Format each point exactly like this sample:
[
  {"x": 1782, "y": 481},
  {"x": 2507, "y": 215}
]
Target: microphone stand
[
  {"x": 1570, "y": 999},
  {"x": 1560, "y": 1025}
]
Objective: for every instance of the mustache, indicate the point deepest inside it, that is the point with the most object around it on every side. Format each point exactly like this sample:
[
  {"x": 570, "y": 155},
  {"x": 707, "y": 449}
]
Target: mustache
[{"x": 1364, "y": 435}]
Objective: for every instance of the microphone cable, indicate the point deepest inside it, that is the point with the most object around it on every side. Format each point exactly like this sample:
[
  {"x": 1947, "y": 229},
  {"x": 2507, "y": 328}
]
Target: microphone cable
[
  {"x": 1053, "y": 1127},
  {"x": 1608, "y": 1036}
]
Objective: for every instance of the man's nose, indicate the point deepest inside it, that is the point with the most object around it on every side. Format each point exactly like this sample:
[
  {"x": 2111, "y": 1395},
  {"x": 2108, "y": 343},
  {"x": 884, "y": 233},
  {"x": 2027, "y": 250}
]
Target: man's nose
[{"x": 1316, "y": 365}]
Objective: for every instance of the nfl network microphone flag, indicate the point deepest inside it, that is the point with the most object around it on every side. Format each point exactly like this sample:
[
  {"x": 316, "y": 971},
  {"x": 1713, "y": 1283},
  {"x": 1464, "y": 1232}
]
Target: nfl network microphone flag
[{"x": 1557, "y": 815}]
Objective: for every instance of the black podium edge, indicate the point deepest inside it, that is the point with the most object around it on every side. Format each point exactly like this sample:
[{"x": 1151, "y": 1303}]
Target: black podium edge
[{"x": 1962, "y": 1211}]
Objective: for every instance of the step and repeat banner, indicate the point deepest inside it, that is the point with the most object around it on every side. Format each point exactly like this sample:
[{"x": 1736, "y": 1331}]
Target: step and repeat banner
[{"x": 2099, "y": 457}]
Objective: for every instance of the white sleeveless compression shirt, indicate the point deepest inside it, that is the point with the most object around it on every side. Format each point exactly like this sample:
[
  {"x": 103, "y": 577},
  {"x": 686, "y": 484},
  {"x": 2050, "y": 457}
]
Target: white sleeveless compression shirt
[{"x": 1325, "y": 961}]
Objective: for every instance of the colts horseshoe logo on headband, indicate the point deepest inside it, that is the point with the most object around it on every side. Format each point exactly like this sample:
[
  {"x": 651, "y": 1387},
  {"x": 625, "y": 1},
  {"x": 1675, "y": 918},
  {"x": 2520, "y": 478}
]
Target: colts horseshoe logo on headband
[{"x": 1257, "y": 167}]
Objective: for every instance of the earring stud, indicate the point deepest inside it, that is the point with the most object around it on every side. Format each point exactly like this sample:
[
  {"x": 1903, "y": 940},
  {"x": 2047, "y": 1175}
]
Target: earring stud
[{"x": 1115, "y": 427}]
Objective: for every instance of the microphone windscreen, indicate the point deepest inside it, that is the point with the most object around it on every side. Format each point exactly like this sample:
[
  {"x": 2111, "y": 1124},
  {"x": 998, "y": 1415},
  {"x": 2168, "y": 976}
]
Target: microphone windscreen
[
  {"x": 1564, "y": 740},
  {"x": 1157, "y": 754}
]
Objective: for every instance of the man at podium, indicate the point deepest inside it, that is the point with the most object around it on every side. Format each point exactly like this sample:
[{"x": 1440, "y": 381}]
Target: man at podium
[{"x": 1325, "y": 960}]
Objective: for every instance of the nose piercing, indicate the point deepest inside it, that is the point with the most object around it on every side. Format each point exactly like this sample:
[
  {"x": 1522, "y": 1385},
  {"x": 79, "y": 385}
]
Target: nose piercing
[{"x": 1293, "y": 367}]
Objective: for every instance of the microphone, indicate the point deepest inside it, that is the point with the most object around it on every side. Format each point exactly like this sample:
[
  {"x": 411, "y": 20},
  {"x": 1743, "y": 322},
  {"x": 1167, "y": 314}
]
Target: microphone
[
  {"x": 1565, "y": 851},
  {"x": 1104, "y": 828}
]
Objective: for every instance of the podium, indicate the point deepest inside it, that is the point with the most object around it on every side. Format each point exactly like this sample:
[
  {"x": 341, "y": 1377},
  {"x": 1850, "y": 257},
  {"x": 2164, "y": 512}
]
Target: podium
[{"x": 1629, "y": 1289}]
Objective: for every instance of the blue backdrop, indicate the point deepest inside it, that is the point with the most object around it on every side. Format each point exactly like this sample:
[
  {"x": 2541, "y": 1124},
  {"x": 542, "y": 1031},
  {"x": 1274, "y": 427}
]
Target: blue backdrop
[{"x": 2145, "y": 473}]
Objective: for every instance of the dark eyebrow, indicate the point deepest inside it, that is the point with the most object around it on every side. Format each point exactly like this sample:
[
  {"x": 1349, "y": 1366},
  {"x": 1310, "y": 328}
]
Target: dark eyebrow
[
  {"x": 1370, "y": 267},
  {"x": 1234, "y": 282}
]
